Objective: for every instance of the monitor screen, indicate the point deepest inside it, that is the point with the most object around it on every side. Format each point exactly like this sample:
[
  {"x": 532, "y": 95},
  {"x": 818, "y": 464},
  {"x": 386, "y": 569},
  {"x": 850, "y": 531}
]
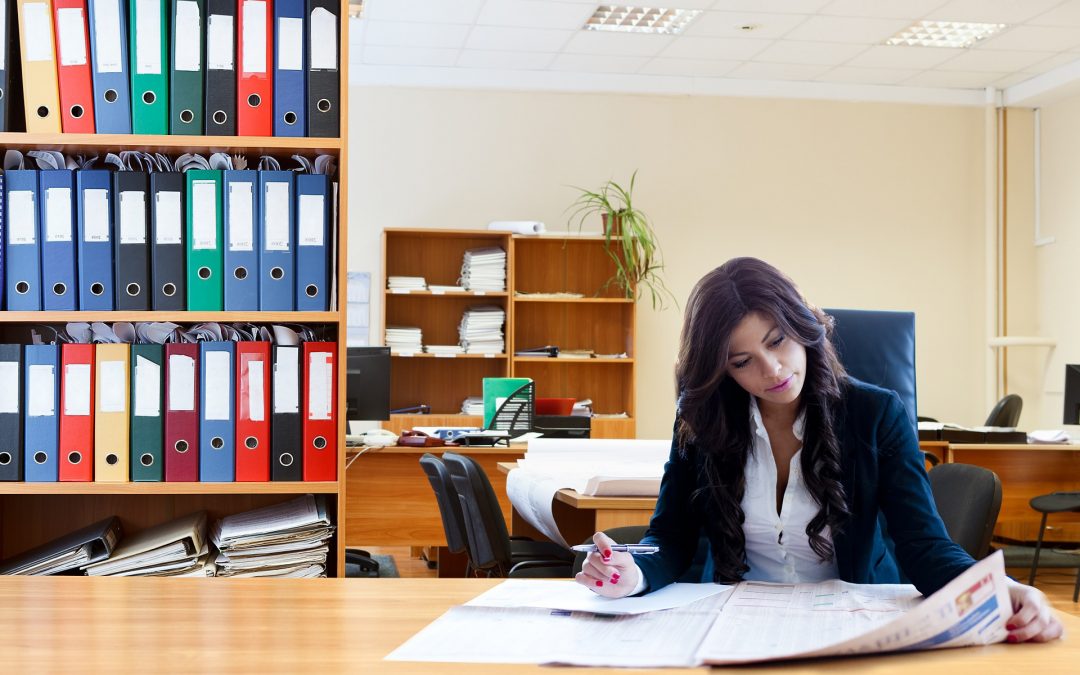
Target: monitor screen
[
  {"x": 367, "y": 383},
  {"x": 1072, "y": 394}
]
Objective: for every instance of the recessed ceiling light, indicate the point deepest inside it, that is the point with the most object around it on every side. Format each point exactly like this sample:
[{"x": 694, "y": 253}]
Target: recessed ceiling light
[
  {"x": 640, "y": 19},
  {"x": 954, "y": 34}
]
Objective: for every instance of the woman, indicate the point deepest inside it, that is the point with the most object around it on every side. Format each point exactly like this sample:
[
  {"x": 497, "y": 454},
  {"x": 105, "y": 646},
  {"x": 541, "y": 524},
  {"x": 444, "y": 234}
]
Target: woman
[{"x": 784, "y": 462}]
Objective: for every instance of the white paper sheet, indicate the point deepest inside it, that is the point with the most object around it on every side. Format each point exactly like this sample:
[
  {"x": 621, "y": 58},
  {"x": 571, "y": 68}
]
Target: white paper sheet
[
  {"x": 37, "y": 26},
  {"x": 256, "y": 390},
  {"x": 320, "y": 379},
  {"x": 181, "y": 382},
  {"x": 147, "y": 37},
  {"x": 9, "y": 395},
  {"x": 95, "y": 215},
  {"x": 219, "y": 42},
  {"x": 167, "y": 212},
  {"x": 217, "y": 371},
  {"x": 77, "y": 389},
  {"x": 253, "y": 41},
  {"x": 276, "y": 210},
  {"x": 72, "y": 40},
  {"x": 42, "y": 391},
  {"x": 22, "y": 221},
  {"x": 204, "y": 215},
  {"x": 323, "y": 37},
  {"x": 573, "y": 597},
  {"x": 58, "y": 214},
  {"x": 147, "y": 388},
  {"x": 188, "y": 42},
  {"x": 106, "y": 26},
  {"x": 112, "y": 386},
  {"x": 311, "y": 225},
  {"x": 241, "y": 218},
  {"x": 286, "y": 394},
  {"x": 290, "y": 40},
  {"x": 132, "y": 217},
  {"x": 531, "y": 495}
]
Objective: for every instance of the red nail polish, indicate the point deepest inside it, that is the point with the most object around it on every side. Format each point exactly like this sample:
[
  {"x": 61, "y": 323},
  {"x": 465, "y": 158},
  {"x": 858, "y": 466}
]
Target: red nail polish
[
  {"x": 599, "y": 583},
  {"x": 1010, "y": 627},
  {"x": 607, "y": 553},
  {"x": 615, "y": 576},
  {"x": 605, "y": 560},
  {"x": 614, "y": 580},
  {"x": 1011, "y": 638}
]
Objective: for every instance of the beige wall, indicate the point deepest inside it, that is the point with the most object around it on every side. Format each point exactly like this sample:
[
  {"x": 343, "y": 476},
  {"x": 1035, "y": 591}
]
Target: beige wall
[{"x": 864, "y": 205}]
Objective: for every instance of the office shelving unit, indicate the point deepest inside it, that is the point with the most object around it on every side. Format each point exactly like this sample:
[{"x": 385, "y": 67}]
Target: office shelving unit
[
  {"x": 602, "y": 320},
  {"x": 32, "y": 513}
]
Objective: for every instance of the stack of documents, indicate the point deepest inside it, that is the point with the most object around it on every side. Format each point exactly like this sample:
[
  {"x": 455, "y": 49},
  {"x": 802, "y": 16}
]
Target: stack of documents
[
  {"x": 284, "y": 540},
  {"x": 473, "y": 405},
  {"x": 444, "y": 350},
  {"x": 406, "y": 284},
  {"x": 178, "y": 548},
  {"x": 484, "y": 269},
  {"x": 404, "y": 339},
  {"x": 437, "y": 289},
  {"x": 481, "y": 330},
  {"x": 89, "y": 544}
]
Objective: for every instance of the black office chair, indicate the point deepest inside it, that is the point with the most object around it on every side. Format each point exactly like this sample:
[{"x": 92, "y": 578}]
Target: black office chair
[
  {"x": 1006, "y": 412},
  {"x": 968, "y": 498},
  {"x": 491, "y": 551},
  {"x": 449, "y": 506},
  {"x": 1055, "y": 502}
]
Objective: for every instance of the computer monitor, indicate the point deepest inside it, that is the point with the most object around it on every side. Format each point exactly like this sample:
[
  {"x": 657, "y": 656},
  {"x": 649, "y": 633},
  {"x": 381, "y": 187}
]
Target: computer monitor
[
  {"x": 367, "y": 383},
  {"x": 1072, "y": 394}
]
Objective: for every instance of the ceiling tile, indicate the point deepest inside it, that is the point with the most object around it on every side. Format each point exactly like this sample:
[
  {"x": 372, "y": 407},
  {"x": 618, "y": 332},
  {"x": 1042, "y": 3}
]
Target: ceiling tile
[
  {"x": 534, "y": 14},
  {"x": 617, "y": 44},
  {"x": 1065, "y": 14},
  {"x": 598, "y": 63},
  {"x": 1010, "y": 80},
  {"x": 1034, "y": 38},
  {"x": 714, "y": 48},
  {"x": 518, "y": 39},
  {"x": 992, "y": 61},
  {"x": 475, "y": 58},
  {"x": 688, "y": 67},
  {"x": 918, "y": 58},
  {"x": 401, "y": 34},
  {"x": 777, "y": 71},
  {"x": 423, "y": 11},
  {"x": 409, "y": 56},
  {"x": 848, "y": 75},
  {"x": 937, "y": 78},
  {"x": 845, "y": 29},
  {"x": 810, "y": 53},
  {"x": 991, "y": 11},
  {"x": 1049, "y": 64},
  {"x": 770, "y": 6},
  {"x": 726, "y": 24},
  {"x": 882, "y": 9}
]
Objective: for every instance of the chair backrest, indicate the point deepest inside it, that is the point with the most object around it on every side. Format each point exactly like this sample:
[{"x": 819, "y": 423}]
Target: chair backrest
[
  {"x": 968, "y": 498},
  {"x": 879, "y": 347},
  {"x": 1006, "y": 412},
  {"x": 449, "y": 505},
  {"x": 485, "y": 528}
]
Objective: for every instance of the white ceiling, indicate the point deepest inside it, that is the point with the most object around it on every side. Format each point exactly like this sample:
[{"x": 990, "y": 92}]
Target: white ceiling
[{"x": 802, "y": 48}]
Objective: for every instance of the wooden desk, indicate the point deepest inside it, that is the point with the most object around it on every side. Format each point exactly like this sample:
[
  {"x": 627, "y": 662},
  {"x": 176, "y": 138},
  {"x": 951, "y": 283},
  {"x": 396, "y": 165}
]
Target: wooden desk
[{"x": 269, "y": 626}]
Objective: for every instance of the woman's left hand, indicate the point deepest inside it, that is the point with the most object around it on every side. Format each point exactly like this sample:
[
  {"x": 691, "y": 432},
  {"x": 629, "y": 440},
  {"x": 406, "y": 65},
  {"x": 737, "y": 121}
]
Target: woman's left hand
[{"x": 1033, "y": 619}]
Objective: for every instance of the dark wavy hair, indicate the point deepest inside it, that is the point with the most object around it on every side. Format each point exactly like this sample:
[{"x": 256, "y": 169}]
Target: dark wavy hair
[{"x": 714, "y": 418}]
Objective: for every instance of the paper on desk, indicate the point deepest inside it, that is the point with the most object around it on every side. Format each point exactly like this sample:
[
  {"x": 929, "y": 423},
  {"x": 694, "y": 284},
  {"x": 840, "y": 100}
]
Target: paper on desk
[
  {"x": 532, "y": 495},
  {"x": 573, "y": 597}
]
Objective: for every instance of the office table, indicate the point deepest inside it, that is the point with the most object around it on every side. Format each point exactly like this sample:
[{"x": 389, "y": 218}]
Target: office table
[{"x": 268, "y": 626}]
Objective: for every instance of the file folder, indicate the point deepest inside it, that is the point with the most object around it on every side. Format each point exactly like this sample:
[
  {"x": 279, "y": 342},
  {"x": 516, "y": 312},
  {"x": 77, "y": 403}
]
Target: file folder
[
  {"x": 109, "y": 49},
  {"x": 101, "y": 537},
  {"x": 94, "y": 246},
  {"x": 286, "y": 456},
  {"x": 59, "y": 285},
  {"x": 239, "y": 189},
  {"x": 11, "y": 419},
  {"x": 205, "y": 261},
  {"x": 186, "y": 72},
  {"x": 41, "y": 94},
  {"x": 254, "y": 83},
  {"x": 112, "y": 433},
  {"x": 168, "y": 266},
  {"x": 217, "y": 401},
  {"x": 130, "y": 242},
  {"x": 42, "y": 413},
  {"x": 277, "y": 257},
  {"x": 323, "y": 76},
  {"x": 313, "y": 234},
  {"x": 3, "y": 214},
  {"x": 8, "y": 57},
  {"x": 73, "y": 72},
  {"x": 149, "y": 67},
  {"x": 147, "y": 423},
  {"x": 220, "y": 68},
  {"x": 253, "y": 411},
  {"x": 290, "y": 74},
  {"x": 181, "y": 412},
  {"x": 22, "y": 250},
  {"x": 320, "y": 406},
  {"x": 77, "y": 412}
]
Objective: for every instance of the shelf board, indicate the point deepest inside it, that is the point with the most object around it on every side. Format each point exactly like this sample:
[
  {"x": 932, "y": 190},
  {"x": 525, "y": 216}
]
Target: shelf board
[
  {"x": 546, "y": 359},
  {"x": 465, "y": 294},
  {"x": 150, "y": 142},
  {"x": 180, "y": 316},
  {"x": 281, "y": 487},
  {"x": 608, "y": 301},
  {"x": 425, "y": 355}
]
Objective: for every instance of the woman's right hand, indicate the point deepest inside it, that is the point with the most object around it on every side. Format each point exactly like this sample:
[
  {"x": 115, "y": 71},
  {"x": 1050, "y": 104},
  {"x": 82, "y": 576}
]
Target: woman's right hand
[{"x": 612, "y": 574}]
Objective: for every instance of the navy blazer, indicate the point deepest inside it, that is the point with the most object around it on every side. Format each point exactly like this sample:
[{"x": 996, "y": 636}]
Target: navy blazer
[{"x": 883, "y": 472}]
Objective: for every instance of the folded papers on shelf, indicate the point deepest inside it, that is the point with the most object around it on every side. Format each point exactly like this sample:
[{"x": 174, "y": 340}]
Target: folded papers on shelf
[
  {"x": 71, "y": 551},
  {"x": 481, "y": 330},
  {"x": 284, "y": 540},
  {"x": 174, "y": 548},
  {"x": 484, "y": 269}
]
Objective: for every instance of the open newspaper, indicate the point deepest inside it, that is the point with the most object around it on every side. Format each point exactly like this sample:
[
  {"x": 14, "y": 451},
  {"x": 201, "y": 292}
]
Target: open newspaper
[{"x": 754, "y": 622}]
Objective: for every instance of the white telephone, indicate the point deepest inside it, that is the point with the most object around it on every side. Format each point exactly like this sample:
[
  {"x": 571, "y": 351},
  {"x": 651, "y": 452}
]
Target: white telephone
[{"x": 372, "y": 438}]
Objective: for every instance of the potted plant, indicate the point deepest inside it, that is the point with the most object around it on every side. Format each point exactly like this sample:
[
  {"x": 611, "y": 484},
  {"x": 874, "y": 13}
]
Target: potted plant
[{"x": 629, "y": 240}]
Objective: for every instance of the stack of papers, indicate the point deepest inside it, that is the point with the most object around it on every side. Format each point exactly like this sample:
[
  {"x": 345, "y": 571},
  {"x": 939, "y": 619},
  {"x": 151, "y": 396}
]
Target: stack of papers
[
  {"x": 444, "y": 350},
  {"x": 481, "y": 330},
  {"x": 284, "y": 540},
  {"x": 406, "y": 283},
  {"x": 176, "y": 548},
  {"x": 404, "y": 339},
  {"x": 439, "y": 290},
  {"x": 484, "y": 269},
  {"x": 473, "y": 405}
]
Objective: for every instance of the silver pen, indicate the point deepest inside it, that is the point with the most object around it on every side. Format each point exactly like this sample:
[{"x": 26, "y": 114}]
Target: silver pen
[{"x": 629, "y": 548}]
